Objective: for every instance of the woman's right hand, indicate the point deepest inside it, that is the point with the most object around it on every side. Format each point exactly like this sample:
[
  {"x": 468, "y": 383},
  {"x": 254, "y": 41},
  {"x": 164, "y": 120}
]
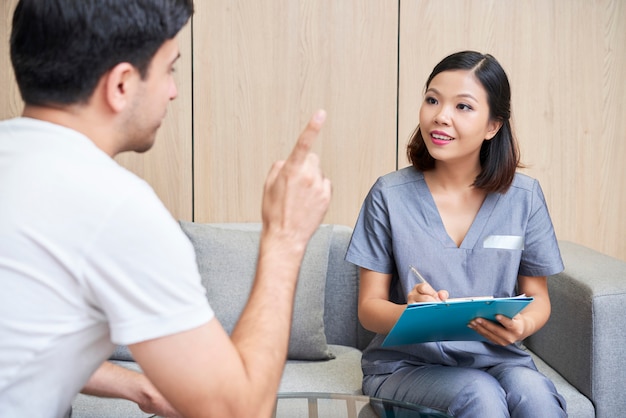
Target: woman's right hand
[{"x": 423, "y": 292}]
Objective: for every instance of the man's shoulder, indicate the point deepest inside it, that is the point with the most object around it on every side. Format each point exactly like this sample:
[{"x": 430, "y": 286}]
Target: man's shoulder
[{"x": 63, "y": 167}]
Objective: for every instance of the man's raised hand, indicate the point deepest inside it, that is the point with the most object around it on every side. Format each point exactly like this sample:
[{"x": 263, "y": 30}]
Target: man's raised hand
[{"x": 296, "y": 194}]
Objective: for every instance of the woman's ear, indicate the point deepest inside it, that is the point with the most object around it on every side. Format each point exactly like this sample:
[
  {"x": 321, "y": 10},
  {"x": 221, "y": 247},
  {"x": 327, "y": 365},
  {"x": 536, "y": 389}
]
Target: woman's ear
[
  {"x": 120, "y": 86},
  {"x": 492, "y": 128}
]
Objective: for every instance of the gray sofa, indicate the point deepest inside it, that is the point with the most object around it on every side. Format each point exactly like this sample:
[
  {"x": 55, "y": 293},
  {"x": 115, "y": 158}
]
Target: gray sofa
[{"x": 582, "y": 348}]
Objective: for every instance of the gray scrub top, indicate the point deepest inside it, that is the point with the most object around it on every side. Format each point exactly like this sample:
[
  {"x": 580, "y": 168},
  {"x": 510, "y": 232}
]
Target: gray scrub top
[{"x": 399, "y": 225}]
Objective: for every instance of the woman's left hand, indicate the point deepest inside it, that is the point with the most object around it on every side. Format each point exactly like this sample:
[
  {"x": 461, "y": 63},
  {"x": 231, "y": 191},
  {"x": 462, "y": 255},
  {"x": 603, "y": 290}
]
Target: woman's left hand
[
  {"x": 504, "y": 332},
  {"x": 509, "y": 330}
]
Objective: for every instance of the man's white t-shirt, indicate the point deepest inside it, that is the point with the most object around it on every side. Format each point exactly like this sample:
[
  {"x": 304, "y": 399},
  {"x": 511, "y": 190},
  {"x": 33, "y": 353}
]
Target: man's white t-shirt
[{"x": 89, "y": 258}]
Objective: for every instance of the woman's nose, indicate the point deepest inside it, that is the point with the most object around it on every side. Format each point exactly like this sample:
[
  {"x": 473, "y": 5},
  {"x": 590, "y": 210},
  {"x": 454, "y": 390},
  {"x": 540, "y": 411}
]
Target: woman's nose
[{"x": 443, "y": 116}]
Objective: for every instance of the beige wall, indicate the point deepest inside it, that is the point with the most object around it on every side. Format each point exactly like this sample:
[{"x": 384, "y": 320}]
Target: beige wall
[
  {"x": 257, "y": 72},
  {"x": 260, "y": 71},
  {"x": 10, "y": 102}
]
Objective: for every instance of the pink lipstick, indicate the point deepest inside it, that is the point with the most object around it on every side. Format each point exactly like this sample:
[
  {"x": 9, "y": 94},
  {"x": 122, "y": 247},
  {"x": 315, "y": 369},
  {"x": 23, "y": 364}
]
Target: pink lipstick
[{"x": 440, "y": 138}]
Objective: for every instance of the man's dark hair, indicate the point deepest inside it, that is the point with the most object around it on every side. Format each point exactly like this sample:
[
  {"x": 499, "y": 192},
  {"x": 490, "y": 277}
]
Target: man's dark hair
[
  {"x": 61, "y": 48},
  {"x": 499, "y": 157}
]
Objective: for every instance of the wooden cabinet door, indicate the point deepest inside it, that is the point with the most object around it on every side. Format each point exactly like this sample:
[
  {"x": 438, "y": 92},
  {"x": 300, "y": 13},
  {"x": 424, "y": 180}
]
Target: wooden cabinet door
[
  {"x": 11, "y": 104},
  {"x": 260, "y": 71}
]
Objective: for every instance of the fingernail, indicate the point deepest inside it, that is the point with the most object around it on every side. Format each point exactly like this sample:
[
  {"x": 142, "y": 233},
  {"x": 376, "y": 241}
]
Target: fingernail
[{"x": 320, "y": 116}]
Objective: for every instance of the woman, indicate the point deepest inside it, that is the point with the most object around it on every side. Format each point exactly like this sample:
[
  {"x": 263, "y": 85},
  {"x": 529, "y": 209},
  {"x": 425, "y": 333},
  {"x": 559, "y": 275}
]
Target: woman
[{"x": 473, "y": 227}]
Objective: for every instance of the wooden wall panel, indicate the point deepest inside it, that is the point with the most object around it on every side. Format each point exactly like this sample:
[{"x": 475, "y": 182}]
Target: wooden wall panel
[
  {"x": 167, "y": 166},
  {"x": 260, "y": 71},
  {"x": 566, "y": 63},
  {"x": 11, "y": 103}
]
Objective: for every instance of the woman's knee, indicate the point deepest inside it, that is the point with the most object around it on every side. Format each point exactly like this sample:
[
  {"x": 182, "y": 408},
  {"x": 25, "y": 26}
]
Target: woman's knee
[
  {"x": 481, "y": 396},
  {"x": 529, "y": 392}
]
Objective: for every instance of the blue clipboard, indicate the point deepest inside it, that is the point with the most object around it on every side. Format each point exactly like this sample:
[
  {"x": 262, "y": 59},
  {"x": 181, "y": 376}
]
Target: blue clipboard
[{"x": 447, "y": 321}]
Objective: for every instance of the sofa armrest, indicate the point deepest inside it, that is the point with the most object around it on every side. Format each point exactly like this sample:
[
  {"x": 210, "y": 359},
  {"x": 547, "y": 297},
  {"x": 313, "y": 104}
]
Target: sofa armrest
[{"x": 585, "y": 339}]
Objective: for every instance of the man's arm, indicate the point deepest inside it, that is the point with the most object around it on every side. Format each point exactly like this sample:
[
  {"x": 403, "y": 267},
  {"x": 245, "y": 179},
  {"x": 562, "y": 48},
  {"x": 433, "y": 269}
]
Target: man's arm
[
  {"x": 205, "y": 372},
  {"x": 113, "y": 381}
]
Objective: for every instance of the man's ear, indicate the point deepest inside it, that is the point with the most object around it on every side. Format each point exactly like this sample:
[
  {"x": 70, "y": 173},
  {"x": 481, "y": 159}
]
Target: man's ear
[
  {"x": 492, "y": 128},
  {"x": 120, "y": 86}
]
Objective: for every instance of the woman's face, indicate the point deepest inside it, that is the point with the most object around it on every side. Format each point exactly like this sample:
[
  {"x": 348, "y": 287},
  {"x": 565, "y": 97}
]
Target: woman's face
[{"x": 454, "y": 117}]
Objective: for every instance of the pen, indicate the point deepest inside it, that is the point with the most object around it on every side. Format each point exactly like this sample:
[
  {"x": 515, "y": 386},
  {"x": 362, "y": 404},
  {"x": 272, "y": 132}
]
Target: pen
[
  {"x": 417, "y": 274},
  {"x": 421, "y": 279}
]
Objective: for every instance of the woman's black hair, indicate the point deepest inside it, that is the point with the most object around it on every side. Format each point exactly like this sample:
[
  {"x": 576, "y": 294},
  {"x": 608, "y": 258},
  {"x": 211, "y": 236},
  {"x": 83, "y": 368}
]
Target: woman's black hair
[{"x": 499, "y": 156}]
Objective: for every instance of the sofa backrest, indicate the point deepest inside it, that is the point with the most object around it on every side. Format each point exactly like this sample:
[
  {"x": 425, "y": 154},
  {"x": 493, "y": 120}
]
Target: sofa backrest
[{"x": 341, "y": 322}]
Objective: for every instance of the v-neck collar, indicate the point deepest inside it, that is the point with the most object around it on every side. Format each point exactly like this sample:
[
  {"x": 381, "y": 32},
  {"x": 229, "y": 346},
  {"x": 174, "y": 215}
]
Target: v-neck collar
[{"x": 439, "y": 230}]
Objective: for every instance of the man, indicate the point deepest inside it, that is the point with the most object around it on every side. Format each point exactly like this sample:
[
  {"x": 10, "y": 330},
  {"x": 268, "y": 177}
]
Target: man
[{"x": 90, "y": 258}]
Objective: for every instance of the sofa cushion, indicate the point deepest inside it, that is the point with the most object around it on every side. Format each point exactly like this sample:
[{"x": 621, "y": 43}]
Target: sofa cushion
[
  {"x": 340, "y": 375},
  {"x": 122, "y": 353},
  {"x": 578, "y": 405},
  {"x": 227, "y": 255}
]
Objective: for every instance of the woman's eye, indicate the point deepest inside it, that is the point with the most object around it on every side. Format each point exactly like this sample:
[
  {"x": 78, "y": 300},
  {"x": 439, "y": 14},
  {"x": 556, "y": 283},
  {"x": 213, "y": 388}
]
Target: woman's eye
[
  {"x": 463, "y": 106},
  {"x": 431, "y": 100}
]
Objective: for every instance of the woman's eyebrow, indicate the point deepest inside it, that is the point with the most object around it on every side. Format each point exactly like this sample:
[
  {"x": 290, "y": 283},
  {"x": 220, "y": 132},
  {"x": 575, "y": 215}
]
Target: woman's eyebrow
[
  {"x": 462, "y": 95},
  {"x": 467, "y": 96}
]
